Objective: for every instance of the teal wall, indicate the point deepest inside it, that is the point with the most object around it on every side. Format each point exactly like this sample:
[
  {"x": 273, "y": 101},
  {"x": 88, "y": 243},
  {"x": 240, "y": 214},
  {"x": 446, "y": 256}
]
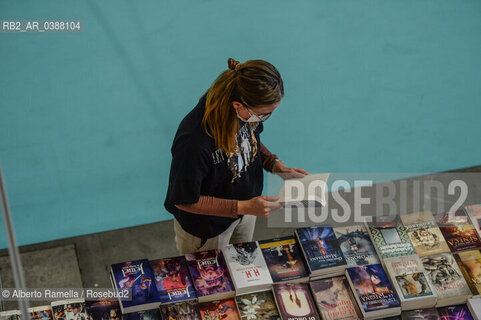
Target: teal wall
[{"x": 87, "y": 119}]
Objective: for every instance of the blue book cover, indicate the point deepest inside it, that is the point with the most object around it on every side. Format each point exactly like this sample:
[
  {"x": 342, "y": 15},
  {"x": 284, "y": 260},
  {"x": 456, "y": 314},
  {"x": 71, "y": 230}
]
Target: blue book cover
[
  {"x": 320, "y": 247},
  {"x": 172, "y": 279},
  {"x": 372, "y": 287},
  {"x": 103, "y": 309},
  {"x": 136, "y": 275}
]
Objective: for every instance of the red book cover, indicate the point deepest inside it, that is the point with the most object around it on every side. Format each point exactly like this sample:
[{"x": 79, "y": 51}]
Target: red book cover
[
  {"x": 219, "y": 310},
  {"x": 458, "y": 231}
]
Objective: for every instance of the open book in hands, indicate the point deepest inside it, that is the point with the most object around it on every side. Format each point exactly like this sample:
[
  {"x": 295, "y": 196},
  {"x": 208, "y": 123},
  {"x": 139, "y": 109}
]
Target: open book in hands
[{"x": 309, "y": 191}]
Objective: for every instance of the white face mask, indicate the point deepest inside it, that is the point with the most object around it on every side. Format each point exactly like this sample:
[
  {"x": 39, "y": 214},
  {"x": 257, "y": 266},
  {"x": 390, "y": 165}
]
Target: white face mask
[{"x": 252, "y": 118}]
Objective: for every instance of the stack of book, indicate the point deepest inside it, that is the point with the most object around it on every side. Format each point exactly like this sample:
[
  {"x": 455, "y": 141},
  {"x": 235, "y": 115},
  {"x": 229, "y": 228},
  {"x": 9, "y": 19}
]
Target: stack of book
[
  {"x": 295, "y": 301},
  {"x": 137, "y": 276},
  {"x": 322, "y": 251},
  {"x": 247, "y": 267},
  {"x": 210, "y": 275},
  {"x": 474, "y": 305},
  {"x": 284, "y": 260},
  {"x": 373, "y": 291}
]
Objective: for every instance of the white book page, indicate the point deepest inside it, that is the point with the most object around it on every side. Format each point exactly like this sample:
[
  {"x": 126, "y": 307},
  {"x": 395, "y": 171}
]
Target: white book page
[{"x": 309, "y": 189}]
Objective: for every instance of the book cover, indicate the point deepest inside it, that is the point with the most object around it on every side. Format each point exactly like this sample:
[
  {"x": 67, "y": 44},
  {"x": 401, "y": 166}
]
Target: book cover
[
  {"x": 153, "y": 314},
  {"x": 138, "y": 276},
  {"x": 409, "y": 278},
  {"x": 283, "y": 259},
  {"x": 424, "y": 233},
  {"x": 372, "y": 287},
  {"x": 469, "y": 262},
  {"x": 247, "y": 266},
  {"x": 209, "y": 272},
  {"x": 258, "y": 306},
  {"x": 458, "y": 231},
  {"x": 172, "y": 279},
  {"x": 185, "y": 310},
  {"x": 334, "y": 299},
  {"x": 421, "y": 314},
  {"x": 474, "y": 213},
  {"x": 103, "y": 310},
  {"x": 219, "y": 310},
  {"x": 71, "y": 309},
  {"x": 295, "y": 301},
  {"x": 390, "y": 237},
  {"x": 356, "y": 245},
  {"x": 41, "y": 313},
  {"x": 474, "y": 305},
  {"x": 320, "y": 247},
  {"x": 445, "y": 276},
  {"x": 459, "y": 312}
]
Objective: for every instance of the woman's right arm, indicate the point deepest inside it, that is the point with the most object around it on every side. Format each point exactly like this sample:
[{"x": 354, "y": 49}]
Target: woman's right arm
[{"x": 260, "y": 206}]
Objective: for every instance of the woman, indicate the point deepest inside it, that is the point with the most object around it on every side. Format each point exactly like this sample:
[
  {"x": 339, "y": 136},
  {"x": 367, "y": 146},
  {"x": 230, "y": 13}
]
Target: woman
[{"x": 216, "y": 176}]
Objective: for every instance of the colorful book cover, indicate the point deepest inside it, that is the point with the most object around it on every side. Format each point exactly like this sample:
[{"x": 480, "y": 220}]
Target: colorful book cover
[
  {"x": 283, "y": 259},
  {"x": 474, "y": 213},
  {"x": 334, "y": 299},
  {"x": 458, "y": 231},
  {"x": 424, "y": 233},
  {"x": 258, "y": 306},
  {"x": 459, "y": 312},
  {"x": 445, "y": 276},
  {"x": 103, "y": 310},
  {"x": 219, "y": 310},
  {"x": 138, "y": 276},
  {"x": 73, "y": 309},
  {"x": 185, "y": 310},
  {"x": 295, "y": 301},
  {"x": 172, "y": 279},
  {"x": 320, "y": 247},
  {"x": 209, "y": 272},
  {"x": 247, "y": 266},
  {"x": 390, "y": 237},
  {"x": 421, "y": 314},
  {"x": 409, "y": 278},
  {"x": 41, "y": 313},
  {"x": 372, "y": 287},
  {"x": 356, "y": 245},
  {"x": 469, "y": 263},
  {"x": 153, "y": 314}
]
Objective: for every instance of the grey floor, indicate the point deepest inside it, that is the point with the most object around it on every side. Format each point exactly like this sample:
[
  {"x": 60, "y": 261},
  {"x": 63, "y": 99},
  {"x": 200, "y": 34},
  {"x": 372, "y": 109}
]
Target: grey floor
[{"x": 84, "y": 261}]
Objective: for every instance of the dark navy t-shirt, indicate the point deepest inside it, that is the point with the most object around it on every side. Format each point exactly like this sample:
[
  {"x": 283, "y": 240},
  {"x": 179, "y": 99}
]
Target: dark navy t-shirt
[{"x": 199, "y": 168}]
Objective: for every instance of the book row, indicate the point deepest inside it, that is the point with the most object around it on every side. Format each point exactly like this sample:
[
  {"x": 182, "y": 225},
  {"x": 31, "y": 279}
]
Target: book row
[{"x": 295, "y": 298}]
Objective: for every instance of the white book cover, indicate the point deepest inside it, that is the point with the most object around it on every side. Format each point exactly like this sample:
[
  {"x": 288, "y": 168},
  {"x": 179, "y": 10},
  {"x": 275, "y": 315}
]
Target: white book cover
[
  {"x": 474, "y": 306},
  {"x": 247, "y": 267},
  {"x": 410, "y": 280}
]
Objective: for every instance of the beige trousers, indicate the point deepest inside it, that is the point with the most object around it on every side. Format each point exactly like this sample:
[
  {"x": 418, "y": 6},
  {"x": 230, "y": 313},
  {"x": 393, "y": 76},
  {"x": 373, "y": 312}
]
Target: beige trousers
[{"x": 241, "y": 230}]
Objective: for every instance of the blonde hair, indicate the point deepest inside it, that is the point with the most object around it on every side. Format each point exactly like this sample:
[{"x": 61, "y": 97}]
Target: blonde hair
[{"x": 256, "y": 82}]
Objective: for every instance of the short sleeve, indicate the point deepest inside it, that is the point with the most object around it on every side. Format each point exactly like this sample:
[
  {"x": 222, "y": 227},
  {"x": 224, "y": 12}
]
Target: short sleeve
[{"x": 190, "y": 165}]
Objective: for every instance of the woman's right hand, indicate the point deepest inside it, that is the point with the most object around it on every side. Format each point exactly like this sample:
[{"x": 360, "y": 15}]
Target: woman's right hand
[{"x": 260, "y": 206}]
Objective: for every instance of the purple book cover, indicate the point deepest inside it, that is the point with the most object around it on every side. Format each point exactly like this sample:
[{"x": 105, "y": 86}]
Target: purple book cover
[
  {"x": 172, "y": 279},
  {"x": 209, "y": 272},
  {"x": 459, "y": 312}
]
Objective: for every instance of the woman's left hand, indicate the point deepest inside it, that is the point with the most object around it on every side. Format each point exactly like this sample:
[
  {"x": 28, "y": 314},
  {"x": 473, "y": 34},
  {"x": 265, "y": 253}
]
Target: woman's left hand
[{"x": 288, "y": 173}]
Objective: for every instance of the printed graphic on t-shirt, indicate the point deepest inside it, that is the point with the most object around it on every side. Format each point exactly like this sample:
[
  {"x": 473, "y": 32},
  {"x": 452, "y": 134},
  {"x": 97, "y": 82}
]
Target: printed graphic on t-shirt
[{"x": 247, "y": 146}]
